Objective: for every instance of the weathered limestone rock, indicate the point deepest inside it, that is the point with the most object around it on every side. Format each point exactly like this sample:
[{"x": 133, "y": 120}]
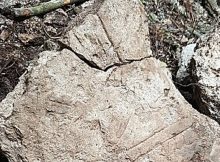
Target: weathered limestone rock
[
  {"x": 105, "y": 38},
  {"x": 67, "y": 109},
  {"x": 206, "y": 72}
]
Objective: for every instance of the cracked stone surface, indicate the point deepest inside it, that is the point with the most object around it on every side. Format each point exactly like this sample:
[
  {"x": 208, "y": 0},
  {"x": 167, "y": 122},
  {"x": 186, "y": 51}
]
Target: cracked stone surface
[
  {"x": 64, "y": 109},
  {"x": 206, "y": 72},
  {"x": 105, "y": 38}
]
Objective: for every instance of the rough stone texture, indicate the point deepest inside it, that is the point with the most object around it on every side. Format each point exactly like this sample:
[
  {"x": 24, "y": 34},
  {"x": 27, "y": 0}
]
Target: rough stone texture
[
  {"x": 69, "y": 111},
  {"x": 105, "y": 38},
  {"x": 65, "y": 109},
  {"x": 206, "y": 72}
]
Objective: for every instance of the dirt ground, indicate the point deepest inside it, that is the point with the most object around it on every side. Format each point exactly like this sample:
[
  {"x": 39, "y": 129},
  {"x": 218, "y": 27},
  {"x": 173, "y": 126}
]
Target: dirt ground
[{"x": 172, "y": 26}]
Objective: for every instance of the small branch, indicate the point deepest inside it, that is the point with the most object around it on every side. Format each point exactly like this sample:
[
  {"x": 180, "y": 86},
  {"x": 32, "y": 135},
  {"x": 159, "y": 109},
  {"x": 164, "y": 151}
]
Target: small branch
[{"x": 43, "y": 8}]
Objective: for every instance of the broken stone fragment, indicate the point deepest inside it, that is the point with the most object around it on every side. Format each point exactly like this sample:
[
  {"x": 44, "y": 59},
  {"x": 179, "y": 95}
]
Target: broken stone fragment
[
  {"x": 4, "y": 35},
  {"x": 206, "y": 72},
  {"x": 105, "y": 38}
]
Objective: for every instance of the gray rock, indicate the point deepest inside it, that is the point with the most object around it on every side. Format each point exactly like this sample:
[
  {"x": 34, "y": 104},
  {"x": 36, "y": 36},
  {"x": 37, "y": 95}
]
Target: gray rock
[
  {"x": 65, "y": 109},
  {"x": 207, "y": 74}
]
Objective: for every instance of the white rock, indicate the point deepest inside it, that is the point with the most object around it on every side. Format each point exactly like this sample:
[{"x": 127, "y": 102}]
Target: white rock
[{"x": 184, "y": 61}]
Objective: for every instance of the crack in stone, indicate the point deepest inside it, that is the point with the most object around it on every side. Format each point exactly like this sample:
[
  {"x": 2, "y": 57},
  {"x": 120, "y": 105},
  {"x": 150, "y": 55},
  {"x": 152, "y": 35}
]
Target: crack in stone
[
  {"x": 92, "y": 64},
  {"x": 125, "y": 63},
  {"x": 165, "y": 130},
  {"x": 160, "y": 144}
]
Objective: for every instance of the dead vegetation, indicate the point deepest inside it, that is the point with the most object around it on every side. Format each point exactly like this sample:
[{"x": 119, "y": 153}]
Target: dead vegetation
[
  {"x": 22, "y": 39},
  {"x": 174, "y": 24}
]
